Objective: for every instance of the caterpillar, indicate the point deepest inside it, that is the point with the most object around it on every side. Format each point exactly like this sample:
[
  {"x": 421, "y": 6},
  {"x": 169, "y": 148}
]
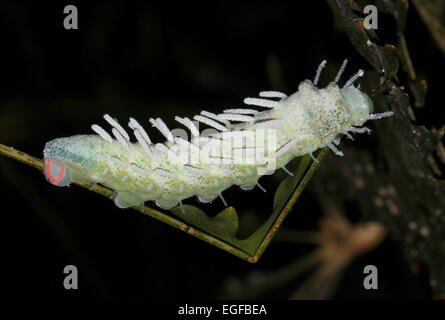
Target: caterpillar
[{"x": 238, "y": 147}]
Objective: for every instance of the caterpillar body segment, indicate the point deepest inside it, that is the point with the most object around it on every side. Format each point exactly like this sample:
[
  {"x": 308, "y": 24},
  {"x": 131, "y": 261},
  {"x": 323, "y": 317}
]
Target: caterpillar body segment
[{"x": 245, "y": 144}]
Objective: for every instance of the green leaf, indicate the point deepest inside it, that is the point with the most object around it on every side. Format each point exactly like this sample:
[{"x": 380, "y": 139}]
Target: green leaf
[{"x": 225, "y": 224}]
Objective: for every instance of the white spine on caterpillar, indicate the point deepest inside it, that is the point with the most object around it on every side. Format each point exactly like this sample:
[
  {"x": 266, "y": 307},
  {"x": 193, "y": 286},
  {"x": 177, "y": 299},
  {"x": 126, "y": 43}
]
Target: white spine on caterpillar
[{"x": 243, "y": 145}]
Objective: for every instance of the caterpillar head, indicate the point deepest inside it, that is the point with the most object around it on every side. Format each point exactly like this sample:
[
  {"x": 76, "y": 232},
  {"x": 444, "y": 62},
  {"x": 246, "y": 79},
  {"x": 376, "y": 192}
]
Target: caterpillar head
[{"x": 358, "y": 103}]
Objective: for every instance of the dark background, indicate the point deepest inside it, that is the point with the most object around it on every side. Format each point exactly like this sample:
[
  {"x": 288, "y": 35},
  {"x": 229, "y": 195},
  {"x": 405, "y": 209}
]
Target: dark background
[{"x": 160, "y": 60}]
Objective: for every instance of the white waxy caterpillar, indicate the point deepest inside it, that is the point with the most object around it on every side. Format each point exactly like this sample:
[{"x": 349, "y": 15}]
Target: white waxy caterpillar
[{"x": 243, "y": 145}]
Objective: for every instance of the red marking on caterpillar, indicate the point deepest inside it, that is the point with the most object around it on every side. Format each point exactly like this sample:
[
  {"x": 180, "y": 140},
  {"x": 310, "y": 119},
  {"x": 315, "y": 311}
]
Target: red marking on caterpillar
[{"x": 53, "y": 167}]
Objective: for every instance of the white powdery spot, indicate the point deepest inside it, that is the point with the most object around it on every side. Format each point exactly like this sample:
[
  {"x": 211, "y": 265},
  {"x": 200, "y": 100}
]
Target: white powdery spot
[
  {"x": 376, "y": 116},
  {"x": 215, "y": 117},
  {"x": 210, "y": 123},
  {"x": 102, "y": 133},
  {"x": 238, "y": 134},
  {"x": 189, "y": 124},
  {"x": 162, "y": 127},
  {"x": 359, "y": 74},
  {"x": 334, "y": 149},
  {"x": 265, "y": 115},
  {"x": 236, "y": 117},
  {"x": 261, "y": 187},
  {"x": 133, "y": 124},
  {"x": 349, "y": 136},
  {"x": 182, "y": 142},
  {"x": 269, "y": 124},
  {"x": 261, "y": 102},
  {"x": 121, "y": 139},
  {"x": 142, "y": 142},
  {"x": 116, "y": 125},
  {"x": 287, "y": 147},
  {"x": 313, "y": 158},
  {"x": 182, "y": 207},
  {"x": 320, "y": 68},
  {"x": 342, "y": 69},
  {"x": 222, "y": 199},
  {"x": 287, "y": 171},
  {"x": 241, "y": 111},
  {"x": 360, "y": 130},
  {"x": 273, "y": 94},
  {"x": 203, "y": 140}
]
